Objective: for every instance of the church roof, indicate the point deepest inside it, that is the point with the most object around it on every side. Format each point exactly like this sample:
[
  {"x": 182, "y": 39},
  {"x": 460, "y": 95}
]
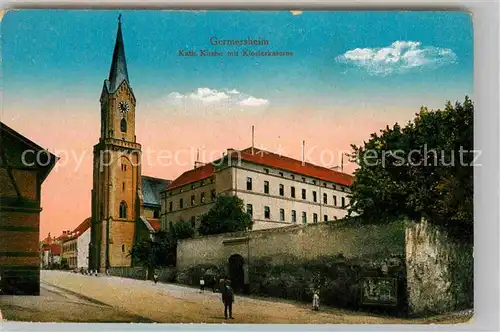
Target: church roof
[
  {"x": 118, "y": 72},
  {"x": 151, "y": 188}
]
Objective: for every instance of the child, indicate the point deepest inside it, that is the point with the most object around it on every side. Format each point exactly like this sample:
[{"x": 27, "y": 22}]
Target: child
[
  {"x": 315, "y": 305},
  {"x": 202, "y": 285}
]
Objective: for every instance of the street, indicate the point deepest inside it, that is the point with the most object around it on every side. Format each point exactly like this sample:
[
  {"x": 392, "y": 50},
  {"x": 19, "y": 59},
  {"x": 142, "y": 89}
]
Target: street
[{"x": 69, "y": 297}]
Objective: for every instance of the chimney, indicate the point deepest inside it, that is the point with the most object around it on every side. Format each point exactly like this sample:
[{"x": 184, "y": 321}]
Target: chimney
[
  {"x": 198, "y": 164},
  {"x": 253, "y": 138},
  {"x": 303, "y": 152}
]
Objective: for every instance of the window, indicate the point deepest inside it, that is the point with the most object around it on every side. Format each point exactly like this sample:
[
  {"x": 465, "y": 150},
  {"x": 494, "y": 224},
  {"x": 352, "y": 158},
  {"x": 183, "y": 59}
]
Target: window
[
  {"x": 192, "y": 200},
  {"x": 315, "y": 218},
  {"x": 281, "y": 174},
  {"x": 123, "y": 126},
  {"x": 325, "y": 218},
  {"x": 124, "y": 167},
  {"x": 342, "y": 188},
  {"x": 213, "y": 195},
  {"x": 292, "y": 176},
  {"x": 156, "y": 214},
  {"x": 170, "y": 206},
  {"x": 181, "y": 203},
  {"x": 292, "y": 192},
  {"x": 202, "y": 182},
  {"x": 249, "y": 183},
  {"x": 315, "y": 197},
  {"x": 304, "y": 194},
  {"x": 304, "y": 218},
  {"x": 123, "y": 186},
  {"x": 334, "y": 200},
  {"x": 123, "y": 210},
  {"x": 250, "y": 210},
  {"x": 282, "y": 190},
  {"x": 343, "y": 201},
  {"x": 294, "y": 216},
  {"x": 282, "y": 214},
  {"x": 202, "y": 197},
  {"x": 192, "y": 186},
  {"x": 334, "y": 187},
  {"x": 266, "y": 187},
  {"x": 123, "y": 248},
  {"x": 314, "y": 181},
  {"x": 303, "y": 179},
  {"x": 267, "y": 212},
  {"x": 324, "y": 184},
  {"x": 266, "y": 171},
  {"x": 335, "y": 217},
  {"x": 325, "y": 199}
]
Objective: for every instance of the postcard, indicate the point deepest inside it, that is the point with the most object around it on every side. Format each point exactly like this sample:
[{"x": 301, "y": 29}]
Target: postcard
[{"x": 209, "y": 166}]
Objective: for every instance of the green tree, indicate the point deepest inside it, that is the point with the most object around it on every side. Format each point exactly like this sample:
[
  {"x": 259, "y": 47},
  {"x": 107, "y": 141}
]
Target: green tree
[
  {"x": 163, "y": 250},
  {"x": 227, "y": 215},
  {"x": 64, "y": 264},
  {"x": 421, "y": 170}
]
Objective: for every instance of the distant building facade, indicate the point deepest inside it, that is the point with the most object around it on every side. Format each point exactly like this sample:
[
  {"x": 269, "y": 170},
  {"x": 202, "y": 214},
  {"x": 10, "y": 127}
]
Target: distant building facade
[
  {"x": 24, "y": 166},
  {"x": 277, "y": 190},
  {"x": 75, "y": 247},
  {"x": 50, "y": 253},
  {"x": 125, "y": 204}
]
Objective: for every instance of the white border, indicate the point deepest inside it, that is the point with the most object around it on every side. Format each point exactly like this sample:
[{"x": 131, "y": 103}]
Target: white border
[{"x": 486, "y": 128}]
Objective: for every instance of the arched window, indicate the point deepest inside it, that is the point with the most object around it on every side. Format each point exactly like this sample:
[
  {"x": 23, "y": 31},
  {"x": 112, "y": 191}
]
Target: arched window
[
  {"x": 123, "y": 248},
  {"x": 123, "y": 210},
  {"x": 123, "y": 125}
]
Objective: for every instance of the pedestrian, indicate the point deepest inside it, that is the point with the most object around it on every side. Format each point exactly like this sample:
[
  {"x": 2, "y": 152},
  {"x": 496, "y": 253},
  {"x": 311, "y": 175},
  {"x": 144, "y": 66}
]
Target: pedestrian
[
  {"x": 155, "y": 278},
  {"x": 315, "y": 304},
  {"x": 202, "y": 285},
  {"x": 227, "y": 299},
  {"x": 214, "y": 284}
]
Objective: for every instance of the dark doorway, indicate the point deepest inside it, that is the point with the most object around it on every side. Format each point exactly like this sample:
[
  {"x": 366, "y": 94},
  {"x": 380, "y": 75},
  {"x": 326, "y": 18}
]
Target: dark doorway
[{"x": 236, "y": 272}]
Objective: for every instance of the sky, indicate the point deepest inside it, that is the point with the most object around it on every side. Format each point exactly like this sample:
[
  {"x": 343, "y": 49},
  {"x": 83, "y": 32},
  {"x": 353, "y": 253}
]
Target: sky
[{"x": 351, "y": 74}]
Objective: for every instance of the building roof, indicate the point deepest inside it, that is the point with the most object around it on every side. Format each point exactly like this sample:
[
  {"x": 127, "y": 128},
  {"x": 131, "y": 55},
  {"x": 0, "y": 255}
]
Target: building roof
[
  {"x": 269, "y": 159},
  {"x": 193, "y": 175},
  {"x": 274, "y": 160},
  {"x": 151, "y": 188},
  {"x": 118, "y": 71},
  {"x": 12, "y": 144},
  {"x": 79, "y": 230},
  {"x": 152, "y": 224},
  {"x": 55, "y": 249}
]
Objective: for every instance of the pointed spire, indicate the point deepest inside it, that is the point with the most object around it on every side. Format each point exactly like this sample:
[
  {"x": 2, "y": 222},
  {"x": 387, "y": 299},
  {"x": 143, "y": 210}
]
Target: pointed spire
[{"x": 118, "y": 72}]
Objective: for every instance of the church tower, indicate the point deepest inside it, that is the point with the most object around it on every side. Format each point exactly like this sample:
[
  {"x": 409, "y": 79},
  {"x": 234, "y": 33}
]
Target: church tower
[{"x": 116, "y": 192}]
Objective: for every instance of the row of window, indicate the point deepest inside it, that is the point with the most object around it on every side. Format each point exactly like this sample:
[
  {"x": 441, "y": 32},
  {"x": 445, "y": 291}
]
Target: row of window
[
  {"x": 292, "y": 176},
  {"x": 213, "y": 196},
  {"x": 72, "y": 261},
  {"x": 292, "y": 193},
  {"x": 69, "y": 246},
  {"x": 194, "y": 185},
  {"x": 267, "y": 215}
]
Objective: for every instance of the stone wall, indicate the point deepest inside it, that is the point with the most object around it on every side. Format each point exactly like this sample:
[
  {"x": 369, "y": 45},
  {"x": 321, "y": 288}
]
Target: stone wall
[
  {"x": 295, "y": 242},
  {"x": 129, "y": 272},
  {"x": 440, "y": 270}
]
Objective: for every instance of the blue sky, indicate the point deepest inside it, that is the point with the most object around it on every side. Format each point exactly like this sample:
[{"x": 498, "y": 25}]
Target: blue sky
[{"x": 45, "y": 52}]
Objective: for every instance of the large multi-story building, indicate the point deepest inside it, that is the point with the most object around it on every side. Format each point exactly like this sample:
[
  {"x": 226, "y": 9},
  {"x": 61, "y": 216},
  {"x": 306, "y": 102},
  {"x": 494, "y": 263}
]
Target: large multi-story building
[{"x": 276, "y": 190}]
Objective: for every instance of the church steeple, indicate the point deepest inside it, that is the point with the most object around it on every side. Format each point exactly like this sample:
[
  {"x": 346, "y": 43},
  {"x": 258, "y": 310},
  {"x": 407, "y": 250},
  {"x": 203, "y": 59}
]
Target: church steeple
[{"x": 118, "y": 72}]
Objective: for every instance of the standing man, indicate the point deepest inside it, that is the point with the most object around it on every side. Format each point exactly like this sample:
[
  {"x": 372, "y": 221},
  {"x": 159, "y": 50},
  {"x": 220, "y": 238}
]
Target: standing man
[{"x": 228, "y": 299}]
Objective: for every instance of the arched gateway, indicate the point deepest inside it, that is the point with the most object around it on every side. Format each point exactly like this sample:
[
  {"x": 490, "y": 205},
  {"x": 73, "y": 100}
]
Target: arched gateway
[{"x": 236, "y": 272}]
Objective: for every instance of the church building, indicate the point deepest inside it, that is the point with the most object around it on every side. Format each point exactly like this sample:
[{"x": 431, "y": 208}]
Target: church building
[{"x": 125, "y": 204}]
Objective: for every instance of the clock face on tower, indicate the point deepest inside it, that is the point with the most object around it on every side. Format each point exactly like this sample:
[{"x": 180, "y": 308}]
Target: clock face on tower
[{"x": 124, "y": 108}]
